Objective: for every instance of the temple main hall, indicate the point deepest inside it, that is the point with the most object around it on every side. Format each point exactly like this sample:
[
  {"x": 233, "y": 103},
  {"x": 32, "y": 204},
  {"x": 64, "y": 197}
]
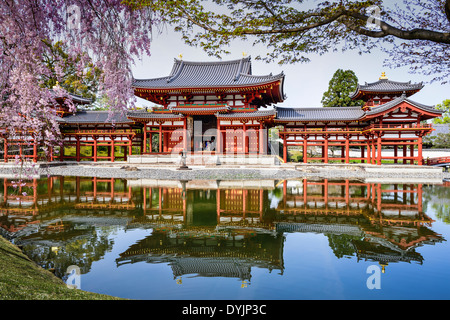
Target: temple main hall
[{"x": 223, "y": 110}]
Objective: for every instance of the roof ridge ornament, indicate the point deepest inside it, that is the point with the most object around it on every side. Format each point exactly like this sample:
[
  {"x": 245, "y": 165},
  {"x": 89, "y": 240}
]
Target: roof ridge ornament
[{"x": 383, "y": 76}]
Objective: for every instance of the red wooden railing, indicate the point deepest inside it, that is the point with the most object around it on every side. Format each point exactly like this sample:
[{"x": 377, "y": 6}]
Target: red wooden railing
[{"x": 435, "y": 161}]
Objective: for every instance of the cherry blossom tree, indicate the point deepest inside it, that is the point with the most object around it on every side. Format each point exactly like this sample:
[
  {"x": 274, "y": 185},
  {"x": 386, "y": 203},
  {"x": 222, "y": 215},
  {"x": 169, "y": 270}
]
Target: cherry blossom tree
[{"x": 108, "y": 35}]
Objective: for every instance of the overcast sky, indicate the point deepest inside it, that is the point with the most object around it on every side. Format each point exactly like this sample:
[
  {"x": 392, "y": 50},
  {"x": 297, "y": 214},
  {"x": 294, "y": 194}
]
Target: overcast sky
[{"x": 305, "y": 83}]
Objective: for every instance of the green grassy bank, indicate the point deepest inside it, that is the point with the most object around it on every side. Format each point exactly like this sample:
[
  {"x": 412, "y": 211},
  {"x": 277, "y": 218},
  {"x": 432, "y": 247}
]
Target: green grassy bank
[{"x": 22, "y": 279}]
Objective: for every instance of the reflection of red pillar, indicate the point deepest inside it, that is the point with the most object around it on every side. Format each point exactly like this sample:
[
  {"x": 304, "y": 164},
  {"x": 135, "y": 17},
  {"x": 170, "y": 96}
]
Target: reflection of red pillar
[
  {"x": 419, "y": 198},
  {"x": 379, "y": 197},
  {"x": 325, "y": 192},
  {"x": 305, "y": 191},
  {"x": 261, "y": 204},
  {"x": 144, "y": 196},
  {"x": 347, "y": 192},
  {"x": 218, "y": 205}
]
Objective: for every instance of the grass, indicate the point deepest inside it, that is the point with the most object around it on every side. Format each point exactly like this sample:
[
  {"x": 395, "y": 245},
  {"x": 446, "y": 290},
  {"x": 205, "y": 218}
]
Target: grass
[{"x": 22, "y": 279}]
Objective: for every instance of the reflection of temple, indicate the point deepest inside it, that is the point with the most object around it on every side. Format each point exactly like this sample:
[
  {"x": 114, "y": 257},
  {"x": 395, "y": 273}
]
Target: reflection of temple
[
  {"x": 386, "y": 222},
  {"x": 223, "y": 228}
]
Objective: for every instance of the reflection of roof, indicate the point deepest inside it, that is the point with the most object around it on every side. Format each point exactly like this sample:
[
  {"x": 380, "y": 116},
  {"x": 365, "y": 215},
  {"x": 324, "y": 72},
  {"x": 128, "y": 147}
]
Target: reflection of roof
[
  {"x": 187, "y": 74},
  {"x": 319, "y": 114},
  {"x": 388, "y": 86},
  {"x": 94, "y": 117}
]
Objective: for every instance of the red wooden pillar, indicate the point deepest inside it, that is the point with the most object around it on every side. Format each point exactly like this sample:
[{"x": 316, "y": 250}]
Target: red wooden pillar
[
  {"x": 112, "y": 148},
  {"x": 130, "y": 145},
  {"x": 5, "y": 150},
  {"x": 305, "y": 149},
  {"x": 411, "y": 152},
  {"x": 35, "y": 153},
  {"x": 347, "y": 148},
  {"x": 160, "y": 138},
  {"x": 78, "y": 149},
  {"x": 185, "y": 134},
  {"x": 144, "y": 149},
  {"x": 379, "y": 149},
  {"x": 284, "y": 148},
  {"x": 373, "y": 151},
  {"x": 404, "y": 154},
  {"x": 363, "y": 151},
  {"x": 261, "y": 139},
  {"x": 95, "y": 149},
  {"x": 244, "y": 137},
  {"x": 395, "y": 154},
  {"x": 419, "y": 147},
  {"x": 325, "y": 150}
]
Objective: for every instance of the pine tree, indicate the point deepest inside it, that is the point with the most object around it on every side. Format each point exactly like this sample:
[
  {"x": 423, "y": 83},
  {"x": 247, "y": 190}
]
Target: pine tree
[{"x": 340, "y": 87}]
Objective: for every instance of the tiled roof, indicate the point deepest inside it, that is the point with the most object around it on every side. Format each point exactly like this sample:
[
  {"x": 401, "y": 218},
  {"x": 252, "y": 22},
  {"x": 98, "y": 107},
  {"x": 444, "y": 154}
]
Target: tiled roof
[
  {"x": 94, "y": 117},
  {"x": 387, "y": 86},
  {"x": 153, "y": 115},
  {"x": 243, "y": 115},
  {"x": 395, "y": 102},
  {"x": 186, "y": 74},
  {"x": 319, "y": 114}
]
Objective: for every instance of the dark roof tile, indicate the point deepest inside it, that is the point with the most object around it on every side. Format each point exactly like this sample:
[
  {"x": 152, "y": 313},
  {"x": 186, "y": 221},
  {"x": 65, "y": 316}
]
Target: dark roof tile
[
  {"x": 319, "y": 114},
  {"x": 186, "y": 74}
]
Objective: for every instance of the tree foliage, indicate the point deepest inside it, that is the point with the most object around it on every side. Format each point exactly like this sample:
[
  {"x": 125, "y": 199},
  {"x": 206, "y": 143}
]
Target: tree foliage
[
  {"x": 293, "y": 29},
  {"x": 445, "y": 118},
  {"x": 341, "y": 86},
  {"x": 83, "y": 82}
]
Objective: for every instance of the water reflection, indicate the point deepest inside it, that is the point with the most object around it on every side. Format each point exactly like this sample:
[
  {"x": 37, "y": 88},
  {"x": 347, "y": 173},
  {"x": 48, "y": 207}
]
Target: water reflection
[{"x": 212, "y": 228}]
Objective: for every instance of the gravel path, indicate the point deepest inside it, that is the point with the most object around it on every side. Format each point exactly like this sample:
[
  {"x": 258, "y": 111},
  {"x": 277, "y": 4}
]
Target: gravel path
[{"x": 221, "y": 172}]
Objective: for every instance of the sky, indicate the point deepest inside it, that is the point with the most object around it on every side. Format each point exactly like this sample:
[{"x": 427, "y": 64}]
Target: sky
[{"x": 304, "y": 84}]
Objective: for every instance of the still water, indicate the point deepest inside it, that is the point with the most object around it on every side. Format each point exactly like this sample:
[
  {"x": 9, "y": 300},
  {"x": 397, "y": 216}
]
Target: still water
[{"x": 295, "y": 239}]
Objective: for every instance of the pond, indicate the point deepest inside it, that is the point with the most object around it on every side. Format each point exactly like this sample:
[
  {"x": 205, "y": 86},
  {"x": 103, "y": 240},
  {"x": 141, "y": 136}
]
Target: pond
[{"x": 255, "y": 240}]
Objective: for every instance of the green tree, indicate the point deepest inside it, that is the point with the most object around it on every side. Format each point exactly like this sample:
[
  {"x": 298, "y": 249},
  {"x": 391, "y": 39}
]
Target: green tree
[
  {"x": 64, "y": 71},
  {"x": 340, "y": 87},
  {"x": 445, "y": 118}
]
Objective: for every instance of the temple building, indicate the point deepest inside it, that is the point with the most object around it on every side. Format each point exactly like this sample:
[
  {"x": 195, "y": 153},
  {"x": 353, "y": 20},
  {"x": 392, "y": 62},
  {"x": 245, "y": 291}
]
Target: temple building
[
  {"x": 222, "y": 109},
  {"x": 216, "y": 104}
]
